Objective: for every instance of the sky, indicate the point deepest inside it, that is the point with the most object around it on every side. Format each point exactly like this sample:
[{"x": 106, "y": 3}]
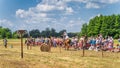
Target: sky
[{"x": 57, "y": 14}]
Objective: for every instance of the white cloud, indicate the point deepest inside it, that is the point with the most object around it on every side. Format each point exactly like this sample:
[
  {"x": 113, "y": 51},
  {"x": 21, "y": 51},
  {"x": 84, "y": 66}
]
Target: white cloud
[
  {"x": 44, "y": 10},
  {"x": 6, "y": 23},
  {"x": 69, "y": 10},
  {"x": 109, "y": 1},
  {"x": 92, "y": 5},
  {"x": 97, "y": 3},
  {"x": 45, "y": 7},
  {"x": 20, "y": 13},
  {"x": 100, "y": 1}
]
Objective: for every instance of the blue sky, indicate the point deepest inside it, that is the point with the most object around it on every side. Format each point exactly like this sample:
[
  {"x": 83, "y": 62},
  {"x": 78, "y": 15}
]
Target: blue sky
[{"x": 58, "y": 14}]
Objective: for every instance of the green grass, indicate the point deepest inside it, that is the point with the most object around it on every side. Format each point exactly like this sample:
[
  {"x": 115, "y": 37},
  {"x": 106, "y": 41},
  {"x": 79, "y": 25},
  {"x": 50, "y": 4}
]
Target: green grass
[{"x": 10, "y": 58}]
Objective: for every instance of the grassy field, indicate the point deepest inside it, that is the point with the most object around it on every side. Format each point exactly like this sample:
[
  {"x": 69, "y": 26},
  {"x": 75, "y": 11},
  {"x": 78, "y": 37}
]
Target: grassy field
[{"x": 10, "y": 58}]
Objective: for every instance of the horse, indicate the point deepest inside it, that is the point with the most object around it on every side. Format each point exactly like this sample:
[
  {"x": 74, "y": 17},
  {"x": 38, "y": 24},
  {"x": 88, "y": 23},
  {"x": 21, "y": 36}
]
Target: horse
[
  {"x": 28, "y": 42},
  {"x": 67, "y": 44}
]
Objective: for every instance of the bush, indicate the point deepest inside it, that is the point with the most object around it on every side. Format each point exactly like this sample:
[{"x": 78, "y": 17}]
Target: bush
[{"x": 116, "y": 36}]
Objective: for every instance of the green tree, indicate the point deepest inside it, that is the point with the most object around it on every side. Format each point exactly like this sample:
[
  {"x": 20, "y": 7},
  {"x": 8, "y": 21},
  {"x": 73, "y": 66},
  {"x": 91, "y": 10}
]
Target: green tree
[
  {"x": 15, "y": 35},
  {"x": 84, "y": 29},
  {"x": 105, "y": 25},
  {"x": 34, "y": 33}
]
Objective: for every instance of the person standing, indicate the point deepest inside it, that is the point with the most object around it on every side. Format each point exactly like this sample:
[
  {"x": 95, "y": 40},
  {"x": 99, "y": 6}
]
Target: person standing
[
  {"x": 65, "y": 36},
  {"x": 5, "y": 42}
]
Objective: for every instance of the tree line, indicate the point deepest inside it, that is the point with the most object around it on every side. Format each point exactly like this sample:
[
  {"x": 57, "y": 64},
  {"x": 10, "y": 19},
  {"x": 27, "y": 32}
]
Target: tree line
[
  {"x": 7, "y": 33},
  {"x": 105, "y": 25}
]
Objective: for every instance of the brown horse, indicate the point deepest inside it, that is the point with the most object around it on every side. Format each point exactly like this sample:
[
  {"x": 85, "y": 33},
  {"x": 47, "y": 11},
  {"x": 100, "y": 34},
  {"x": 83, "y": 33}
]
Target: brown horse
[{"x": 67, "y": 44}]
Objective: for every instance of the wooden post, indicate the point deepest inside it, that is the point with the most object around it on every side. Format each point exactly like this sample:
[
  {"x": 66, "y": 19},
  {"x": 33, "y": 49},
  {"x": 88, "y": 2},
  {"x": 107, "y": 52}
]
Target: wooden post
[
  {"x": 84, "y": 44},
  {"x": 83, "y": 52},
  {"x": 21, "y": 46},
  {"x": 21, "y": 32}
]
